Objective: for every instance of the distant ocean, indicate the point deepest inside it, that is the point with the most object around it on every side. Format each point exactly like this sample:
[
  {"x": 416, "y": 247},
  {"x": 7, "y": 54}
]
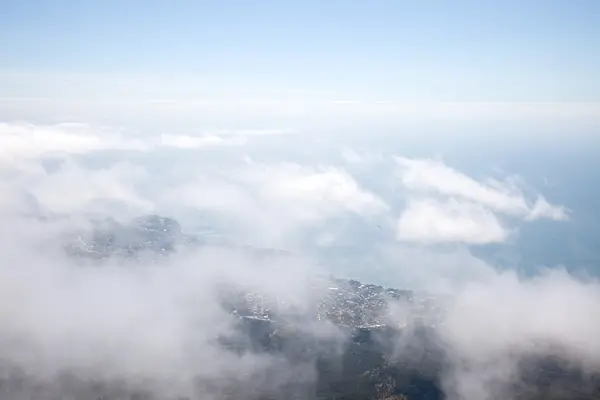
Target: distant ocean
[
  {"x": 564, "y": 177},
  {"x": 568, "y": 175}
]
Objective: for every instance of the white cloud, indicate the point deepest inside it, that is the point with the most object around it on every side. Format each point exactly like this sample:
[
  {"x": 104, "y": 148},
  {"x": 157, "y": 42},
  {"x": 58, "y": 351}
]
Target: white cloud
[
  {"x": 432, "y": 221},
  {"x": 277, "y": 199},
  {"x": 434, "y": 176},
  {"x": 264, "y": 201},
  {"x": 23, "y": 140},
  {"x": 491, "y": 326},
  {"x": 544, "y": 210},
  {"x": 143, "y": 323},
  {"x": 198, "y": 142},
  {"x": 531, "y": 310},
  {"x": 73, "y": 189},
  {"x": 28, "y": 188},
  {"x": 251, "y": 132},
  {"x": 27, "y": 140},
  {"x": 445, "y": 205},
  {"x": 327, "y": 188},
  {"x": 152, "y": 327},
  {"x": 472, "y": 210}
]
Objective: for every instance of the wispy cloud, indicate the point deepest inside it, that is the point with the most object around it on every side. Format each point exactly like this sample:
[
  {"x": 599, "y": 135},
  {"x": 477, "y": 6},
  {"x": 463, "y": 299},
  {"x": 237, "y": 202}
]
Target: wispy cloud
[
  {"x": 20, "y": 140},
  {"x": 29, "y": 140},
  {"x": 198, "y": 142}
]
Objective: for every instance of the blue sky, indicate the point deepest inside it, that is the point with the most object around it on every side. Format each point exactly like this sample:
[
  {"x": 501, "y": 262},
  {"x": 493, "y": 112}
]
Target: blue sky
[{"x": 377, "y": 50}]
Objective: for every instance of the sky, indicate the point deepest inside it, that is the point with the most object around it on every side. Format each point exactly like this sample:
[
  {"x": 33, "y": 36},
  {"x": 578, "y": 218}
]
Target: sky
[{"x": 306, "y": 51}]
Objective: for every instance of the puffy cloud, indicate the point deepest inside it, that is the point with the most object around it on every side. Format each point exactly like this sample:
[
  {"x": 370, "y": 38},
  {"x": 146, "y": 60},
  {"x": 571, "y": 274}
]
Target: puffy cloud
[
  {"x": 277, "y": 199},
  {"x": 326, "y": 188},
  {"x": 153, "y": 328},
  {"x": 436, "y": 177},
  {"x": 491, "y": 326},
  {"x": 266, "y": 201},
  {"x": 73, "y": 189},
  {"x": 547, "y": 308},
  {"x": 472, "y": 210},
  {"x": 432, "y": 221},
  {"x": 156, "y": 325}
]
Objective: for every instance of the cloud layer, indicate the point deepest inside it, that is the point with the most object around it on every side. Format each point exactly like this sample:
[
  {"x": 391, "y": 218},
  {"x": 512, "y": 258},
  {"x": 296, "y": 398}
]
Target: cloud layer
[{"x": 156, "y": 325}]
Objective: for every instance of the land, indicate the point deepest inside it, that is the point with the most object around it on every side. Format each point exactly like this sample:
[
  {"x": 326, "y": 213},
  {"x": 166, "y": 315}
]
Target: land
[{"x": 348, "y": 343}]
